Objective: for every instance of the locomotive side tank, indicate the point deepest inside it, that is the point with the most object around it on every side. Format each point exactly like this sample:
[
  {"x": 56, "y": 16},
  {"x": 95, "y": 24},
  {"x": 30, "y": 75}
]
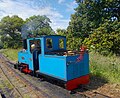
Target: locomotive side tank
[{"x": 48, "y": 56}]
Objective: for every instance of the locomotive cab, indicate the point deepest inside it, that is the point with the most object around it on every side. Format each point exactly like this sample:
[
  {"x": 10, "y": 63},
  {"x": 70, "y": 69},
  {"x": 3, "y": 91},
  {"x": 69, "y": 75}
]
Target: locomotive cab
[
  {"x": 48, "y": 56},
  {"x": 28, "y": 57}
]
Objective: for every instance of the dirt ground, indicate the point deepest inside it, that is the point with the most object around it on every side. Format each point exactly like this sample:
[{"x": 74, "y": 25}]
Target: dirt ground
[
  {"x": 100, "y": 85},
  {"x": 97, "y": 84}
]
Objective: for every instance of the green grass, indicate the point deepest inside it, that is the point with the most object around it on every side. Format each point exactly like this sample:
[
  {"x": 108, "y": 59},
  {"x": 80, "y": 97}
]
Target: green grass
[
  {"x": 106, "y": 67},
  {"x": 11, "y": 54}
]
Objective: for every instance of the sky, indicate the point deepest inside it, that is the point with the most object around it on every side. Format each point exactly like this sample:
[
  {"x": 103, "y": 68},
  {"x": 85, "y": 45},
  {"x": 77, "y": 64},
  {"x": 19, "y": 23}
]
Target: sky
[{"x": 59, "y": 11}]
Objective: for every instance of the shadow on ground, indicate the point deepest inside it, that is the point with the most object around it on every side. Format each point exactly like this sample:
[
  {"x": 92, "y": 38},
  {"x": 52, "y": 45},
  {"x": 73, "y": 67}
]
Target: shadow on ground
[{"x": 95, "y": 82}]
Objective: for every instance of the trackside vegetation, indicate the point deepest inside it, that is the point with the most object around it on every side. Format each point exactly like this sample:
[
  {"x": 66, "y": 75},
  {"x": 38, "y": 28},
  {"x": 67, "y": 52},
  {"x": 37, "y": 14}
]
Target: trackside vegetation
[
  {"x": 11, "y": 54},
  {"x": 107, "y": 67}
]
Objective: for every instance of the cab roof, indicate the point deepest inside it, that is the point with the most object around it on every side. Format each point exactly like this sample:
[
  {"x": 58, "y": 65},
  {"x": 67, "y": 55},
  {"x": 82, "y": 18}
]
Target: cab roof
[{"x": 44, "y": 36}]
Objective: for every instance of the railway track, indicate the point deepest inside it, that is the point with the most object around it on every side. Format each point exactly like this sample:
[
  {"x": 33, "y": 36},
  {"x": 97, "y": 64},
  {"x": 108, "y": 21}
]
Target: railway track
[
  {"x": 21, "y": 87},
  {"x": 35, "y": 92},
  {"x": 10, "y": 82},
  {"x": 87, "y": 93}
]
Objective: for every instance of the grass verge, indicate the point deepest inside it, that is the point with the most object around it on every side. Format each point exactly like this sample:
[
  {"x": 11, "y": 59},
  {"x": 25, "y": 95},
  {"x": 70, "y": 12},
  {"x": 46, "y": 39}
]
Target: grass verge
[
  {"x": 106, "y": 67},
  {"x": 11, "y": 54}
]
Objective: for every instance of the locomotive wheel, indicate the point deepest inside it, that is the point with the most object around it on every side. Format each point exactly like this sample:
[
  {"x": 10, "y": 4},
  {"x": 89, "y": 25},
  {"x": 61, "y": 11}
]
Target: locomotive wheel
[
  {"x": 37, "y": 75},
  {"x": 72, "y": 92},
  {"x": 15, "y": 66},
  {"x": 33, "y": 73},
  {"x": 65, "y": 85},
  {"x": 20, "y": 68},
  {"x": 41, "y": 79}
]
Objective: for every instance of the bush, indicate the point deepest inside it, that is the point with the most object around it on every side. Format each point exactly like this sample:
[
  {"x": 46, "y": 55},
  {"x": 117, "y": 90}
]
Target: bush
[
  {"x": 1, "y": 45},
  {"x": 73, "y": 43},
  {"x": 105, "y": 39}
]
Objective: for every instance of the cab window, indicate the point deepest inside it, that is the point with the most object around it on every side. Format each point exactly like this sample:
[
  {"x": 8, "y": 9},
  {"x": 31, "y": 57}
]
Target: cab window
[
  {"x": 35, "y": 45},
  {"x": 49, "y": 44},
  {"x": 61, "y": 43}
]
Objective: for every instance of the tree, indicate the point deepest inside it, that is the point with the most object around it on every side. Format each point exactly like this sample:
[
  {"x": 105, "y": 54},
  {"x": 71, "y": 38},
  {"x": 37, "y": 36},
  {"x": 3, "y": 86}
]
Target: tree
[
  {"x": 93, "y": 23},
  {"x": 61, "y": 32},
  {"x": 10, "y": 28},
  {"x": 37, "y": 25},
  {"x": 90, "y": 14},
  {"x": 105, "y": 39}
]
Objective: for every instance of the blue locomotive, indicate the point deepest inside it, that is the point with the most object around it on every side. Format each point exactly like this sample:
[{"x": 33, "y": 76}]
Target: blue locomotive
[{"x": 47, "y": 55}]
